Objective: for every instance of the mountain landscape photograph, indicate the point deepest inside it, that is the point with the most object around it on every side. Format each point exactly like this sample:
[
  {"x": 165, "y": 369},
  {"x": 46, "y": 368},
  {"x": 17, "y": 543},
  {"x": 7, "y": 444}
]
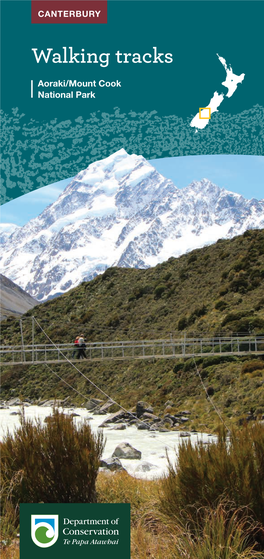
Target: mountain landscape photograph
[
  {"x": 122, "y": 212},
  {"x": 124, "y": 256}
]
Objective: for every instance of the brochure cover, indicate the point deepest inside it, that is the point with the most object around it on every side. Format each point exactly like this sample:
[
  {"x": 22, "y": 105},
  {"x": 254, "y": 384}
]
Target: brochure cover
[{"x": 132, "y": 220}]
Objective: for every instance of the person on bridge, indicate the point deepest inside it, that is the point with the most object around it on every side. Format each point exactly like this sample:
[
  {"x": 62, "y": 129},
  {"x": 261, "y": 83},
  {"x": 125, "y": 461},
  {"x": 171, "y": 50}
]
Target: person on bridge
[
  {"x": 82, "y": 354},
  {"x": 76, "y": 347}
]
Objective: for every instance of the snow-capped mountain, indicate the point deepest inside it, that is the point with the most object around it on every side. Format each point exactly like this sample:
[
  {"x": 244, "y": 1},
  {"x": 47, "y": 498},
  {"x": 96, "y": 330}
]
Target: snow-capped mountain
[
  {"x": 6, "y": 229},
  {"x": 120, "y": 212}
]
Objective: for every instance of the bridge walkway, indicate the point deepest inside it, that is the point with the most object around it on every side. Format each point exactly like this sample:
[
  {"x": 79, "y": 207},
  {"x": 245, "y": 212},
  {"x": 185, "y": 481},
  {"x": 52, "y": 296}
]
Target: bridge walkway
[{"x": 133, "y": 349}]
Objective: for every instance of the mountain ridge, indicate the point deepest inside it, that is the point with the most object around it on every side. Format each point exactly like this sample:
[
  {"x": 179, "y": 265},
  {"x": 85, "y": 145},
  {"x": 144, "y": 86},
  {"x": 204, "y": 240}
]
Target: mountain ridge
[
  {"x": 14, "y": 301},
  {"x": 120, "y": 212}
]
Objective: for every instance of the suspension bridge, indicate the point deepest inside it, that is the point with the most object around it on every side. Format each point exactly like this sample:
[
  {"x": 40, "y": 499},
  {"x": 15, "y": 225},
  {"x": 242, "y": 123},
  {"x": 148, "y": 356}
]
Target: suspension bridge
[{"x": 177, "y": 348}]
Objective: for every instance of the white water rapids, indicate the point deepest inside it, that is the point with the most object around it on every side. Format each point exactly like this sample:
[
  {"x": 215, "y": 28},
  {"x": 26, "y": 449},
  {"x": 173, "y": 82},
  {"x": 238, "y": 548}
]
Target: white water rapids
[{"x": 153, "y": 445}]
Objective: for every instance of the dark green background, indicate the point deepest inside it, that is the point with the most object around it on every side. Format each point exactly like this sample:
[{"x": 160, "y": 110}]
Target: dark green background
[
  {"x": 192, "y": 31},
  {"x": 29, "y": 550},
  {"x": 47, "y": 140}
]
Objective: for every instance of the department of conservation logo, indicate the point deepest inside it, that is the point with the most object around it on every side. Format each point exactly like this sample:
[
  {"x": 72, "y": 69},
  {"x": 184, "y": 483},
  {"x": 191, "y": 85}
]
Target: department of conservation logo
[{"x": 44, "y": 529}]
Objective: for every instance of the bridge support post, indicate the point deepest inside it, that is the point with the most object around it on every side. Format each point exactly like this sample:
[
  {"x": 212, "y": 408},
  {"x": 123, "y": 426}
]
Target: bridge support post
[
  {"x": 23, "y": 355},
  {"x": 33, "y": 337}
]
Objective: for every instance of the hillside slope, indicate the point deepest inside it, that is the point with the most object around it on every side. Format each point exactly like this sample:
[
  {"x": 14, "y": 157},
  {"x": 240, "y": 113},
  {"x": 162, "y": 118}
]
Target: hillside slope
[
  {"x": 219, "y": 288},
  {"x": 14, "y": 301},
  {"x": 120, "y": 212}
]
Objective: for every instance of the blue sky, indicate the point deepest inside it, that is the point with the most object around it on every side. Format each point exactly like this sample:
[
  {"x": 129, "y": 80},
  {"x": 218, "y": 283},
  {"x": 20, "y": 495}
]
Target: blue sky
[{"x": 237, "y": 173}]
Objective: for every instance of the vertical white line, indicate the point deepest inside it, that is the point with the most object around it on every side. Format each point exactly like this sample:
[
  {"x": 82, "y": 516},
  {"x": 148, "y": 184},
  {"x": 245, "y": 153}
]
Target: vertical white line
[{"x": 31, "y": 89}]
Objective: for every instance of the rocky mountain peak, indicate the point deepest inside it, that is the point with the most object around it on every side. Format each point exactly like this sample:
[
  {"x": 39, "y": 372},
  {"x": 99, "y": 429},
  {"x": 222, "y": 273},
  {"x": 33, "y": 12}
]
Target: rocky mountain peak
[{"x": 120, "y": 211}]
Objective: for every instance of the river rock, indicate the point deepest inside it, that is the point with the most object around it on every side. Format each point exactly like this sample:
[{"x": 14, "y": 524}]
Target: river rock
[
  {"x": 115, "y": 417},
  {"x": 14, "y": 402},
  {"x": 93, "y": 403},
  {"x": 133, "y": 422},
  {"x": 51, "y": 403},
  {"x": 145, "y": 467},
  {"x": 112, "y": 464},
  {"x": 167, "y": 421},
  {"x": 143, "y": 426},
  {"x": 168, "y": 403},
  {"x": 185, "y": 434},
  {"x": 104, "y": 408},
  {"x": 143, "y": 407},
  {"x": 168, "y": 409},
  {"x": 125, "y": 450},
  {"x": 147, "y": 415}
]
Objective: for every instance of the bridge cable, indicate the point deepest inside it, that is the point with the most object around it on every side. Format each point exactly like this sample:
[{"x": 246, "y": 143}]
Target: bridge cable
[
  {"x": 167, "y": 445},
  {"x": 111, "y": 399},
  {"x": 65, "y": 381},
  {"x": 91, "y": 382},
  {"x": 207, "y": 395}
]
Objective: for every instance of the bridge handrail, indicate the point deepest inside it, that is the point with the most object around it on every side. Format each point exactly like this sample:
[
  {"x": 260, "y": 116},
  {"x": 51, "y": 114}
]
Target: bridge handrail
[{"x": 134, "y": 343}]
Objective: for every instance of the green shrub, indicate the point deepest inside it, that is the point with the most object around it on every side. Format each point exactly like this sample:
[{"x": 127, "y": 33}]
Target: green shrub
[
  {"x": 159, "y": 290},
  {"x": 257, "y": 323},
  {"x": 57, "y": 462},
  {"x": 248, "y": 233},
  {"x": 86, "y": 317},
  {"x": 234, "y": 316},
  {"x": 223, "y": 291},
  {"x": 238, "y": 265},
  {"x": 192, "y": 258},
  {"x": 204, "y": 475},
  {"x": 113, "y": 321},
  {"x": 224, "y": 254},
  {"x": 197, "y": 313},
  {"x": 182, "y": 323},
  {"x": 183, "y": 275},
  {"x": 178, "y": 367},
  {"x": 220, "y": 305},
  {"x": 109, "y": 273},
  {"x": 246, "y": 325},
  {"x": 140, "y": 291},
  {"x": 239, "y": 285},
  {"x": 253, "y": 365}
]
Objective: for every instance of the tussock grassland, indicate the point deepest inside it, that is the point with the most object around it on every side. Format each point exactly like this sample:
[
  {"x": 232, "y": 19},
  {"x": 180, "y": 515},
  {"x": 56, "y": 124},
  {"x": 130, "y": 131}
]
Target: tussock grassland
[{"x": 209, "y": 506}]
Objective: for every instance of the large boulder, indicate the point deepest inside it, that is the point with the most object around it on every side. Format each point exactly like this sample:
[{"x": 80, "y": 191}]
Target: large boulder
[
  {"x": 143, "y": 407},
  {"x": 126, "y": 451}
]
